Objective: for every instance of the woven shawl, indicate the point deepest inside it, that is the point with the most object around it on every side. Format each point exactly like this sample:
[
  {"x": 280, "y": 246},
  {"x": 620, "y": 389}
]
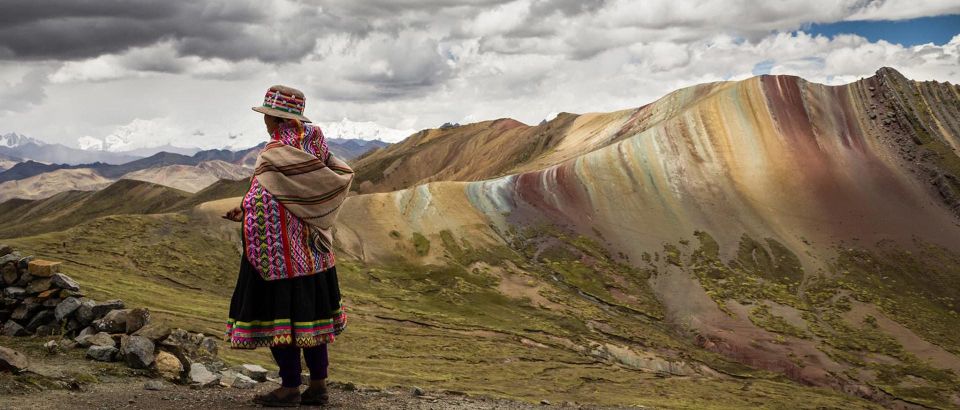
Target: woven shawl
[{"x": 294, "y": 198}]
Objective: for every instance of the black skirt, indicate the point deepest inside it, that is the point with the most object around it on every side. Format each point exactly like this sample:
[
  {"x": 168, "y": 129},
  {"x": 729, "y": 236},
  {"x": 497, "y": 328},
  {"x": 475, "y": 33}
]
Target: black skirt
[{"x": 304, "y": 311}]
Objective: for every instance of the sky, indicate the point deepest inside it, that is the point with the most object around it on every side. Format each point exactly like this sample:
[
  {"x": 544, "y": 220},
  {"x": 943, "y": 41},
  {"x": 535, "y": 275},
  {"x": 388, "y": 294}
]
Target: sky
[{"x": 149, "y": 73}]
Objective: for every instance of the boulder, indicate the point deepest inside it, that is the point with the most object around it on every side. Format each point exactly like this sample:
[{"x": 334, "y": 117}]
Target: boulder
[
  {"x": 154, "y": 331},
  {"x": 114, "y": 322},
  {"x": 51, "y": 303},
  {"x": 24, "y": 262},
  {"x": 102, "y": 353},
  {"x": 12, "y": 258},
  {"x": 101, "y": 309},
  {"x": 48, "y": 294},
  {"x": 44, "y": 317},
  {"x": 14, "y": 292},
  {"x": 65, "y": 308},
  {"x": 12, "y": 361},
  {"x": 199, "y": 375},
  {"x": 209, "y": 346},
  {"x": 84, "y": 312},
  {"x": 5, "y": 249},
  {"x": 38, "y": 285},
  {"x": 87, "y": 331},
  {"x": 254, "y": 372},
  {"x": 136, "y": 319},
  {"x": 47, "y": 330},
  {"x": 5, "y": 314},
  {"x": 230, "y": 378},
  {"x": 64, "y": 282},
  {"x": 52, "y": 347},
  {"x": 137, "y": 351},
  {"x": 97, "y": 339},
  {"x": 42, "y": 268},
  {"x": 168, "y": 366},
  {"x": 12, "y": 328}
]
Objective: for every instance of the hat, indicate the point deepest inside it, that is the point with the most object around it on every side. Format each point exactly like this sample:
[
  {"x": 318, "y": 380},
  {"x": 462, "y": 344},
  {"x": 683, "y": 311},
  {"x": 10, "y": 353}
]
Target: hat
[{"x": 284, "y": 102}]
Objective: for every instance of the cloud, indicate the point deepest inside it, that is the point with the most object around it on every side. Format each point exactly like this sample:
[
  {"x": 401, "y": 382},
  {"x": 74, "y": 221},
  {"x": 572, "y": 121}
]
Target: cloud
[
  {"x": 904, "y": 9},
  {"x": 25, "y": 93}
]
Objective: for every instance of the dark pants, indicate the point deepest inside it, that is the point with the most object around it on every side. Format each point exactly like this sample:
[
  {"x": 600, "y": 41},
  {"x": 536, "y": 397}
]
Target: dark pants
[{"x": 288, "y": 358}]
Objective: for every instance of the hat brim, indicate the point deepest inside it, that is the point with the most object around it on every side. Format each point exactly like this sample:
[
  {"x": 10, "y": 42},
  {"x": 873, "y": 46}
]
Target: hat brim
[{"x": 282, "y": 114}]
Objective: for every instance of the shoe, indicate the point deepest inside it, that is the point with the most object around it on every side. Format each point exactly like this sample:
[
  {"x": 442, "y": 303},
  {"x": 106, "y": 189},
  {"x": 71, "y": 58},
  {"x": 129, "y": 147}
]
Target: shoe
[
  {"x": 315, "y": 396},
  {"x": 273, "y": 399}
]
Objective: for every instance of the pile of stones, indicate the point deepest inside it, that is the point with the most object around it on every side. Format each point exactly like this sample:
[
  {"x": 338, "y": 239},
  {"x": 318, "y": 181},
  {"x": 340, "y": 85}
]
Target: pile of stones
[{"x": 36, "y": 299}]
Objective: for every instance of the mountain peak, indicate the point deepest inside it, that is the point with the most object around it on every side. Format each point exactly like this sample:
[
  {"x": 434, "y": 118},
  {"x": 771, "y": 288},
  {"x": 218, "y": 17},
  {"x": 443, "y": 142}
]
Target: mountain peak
[{"x": 13, "y": 140}]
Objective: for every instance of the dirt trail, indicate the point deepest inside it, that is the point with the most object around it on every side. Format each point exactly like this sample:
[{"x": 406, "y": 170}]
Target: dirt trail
[{"x": 130, "y": 394}]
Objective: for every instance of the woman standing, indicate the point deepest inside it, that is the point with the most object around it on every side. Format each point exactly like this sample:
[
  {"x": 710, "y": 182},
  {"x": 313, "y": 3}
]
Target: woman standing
[{"x": 287, "y": 296}]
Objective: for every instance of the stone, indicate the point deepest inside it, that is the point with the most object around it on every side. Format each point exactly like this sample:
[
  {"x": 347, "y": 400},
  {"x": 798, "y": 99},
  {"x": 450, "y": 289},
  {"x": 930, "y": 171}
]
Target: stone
[
  {"x": 230, "y": 378},
  {"x": 51, "y": 303},
  {"x": 545, "y": 402},
  {"x": 12, "y": 328},
  {"x": 66, "y": 308},
  {"x": 196, "y": 338},
  {"x": 5, "y": 249},
  {"x": 9, "y": 274},
  {"x": 12, "y": 257},
  {"x": 168, "y": 365},
  {"x": 67, "y": 344},
  {"x": 25, "y": 311},
  {"x": 24, "y": 262},
  {"x": 42, "y": 268},
  {"x": 154, "y": 331},
  {"x": 101, "y": 309},
  {"x": 97, "y": 339},
  {"x": 154, "y": 385},
  {"x": 64, "y": 282},
  {"x": 12, "y": 361},
  {"x": 254, "y": 372},
  {"x": 84, "y": 313},
  {"x": 47, "y": 330},
  {"x": 67, "y": 293},
  {"x": 209, "y": 345},
  {"x": 114, "y": 322},
  {"x": 44, "y": 317},
  {"x": 136, "y": 319},
  {"x": 87, "y": 331},
  {"x": 417, "y": 391},
  {"x": 48, "y": 294},
  {"x": 199, "y": 375},
  {"x": 39, "y": 285},
  {"x": 25, "y": 279},
  {"x": 52, "y": 347},
  {"x": 5, "y": 314},
  {"x": 137, "y": 351},
  {"x": 102, "y": 353},
  {"x": 14, "y": 292}
]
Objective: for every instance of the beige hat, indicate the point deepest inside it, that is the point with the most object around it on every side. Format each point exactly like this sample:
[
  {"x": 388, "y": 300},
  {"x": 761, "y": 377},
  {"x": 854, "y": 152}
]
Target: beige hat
[{"x": 284, "y": 102}]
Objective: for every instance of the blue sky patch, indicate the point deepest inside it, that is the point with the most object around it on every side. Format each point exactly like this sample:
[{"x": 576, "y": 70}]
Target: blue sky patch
[{"x": 938, "y": 30}]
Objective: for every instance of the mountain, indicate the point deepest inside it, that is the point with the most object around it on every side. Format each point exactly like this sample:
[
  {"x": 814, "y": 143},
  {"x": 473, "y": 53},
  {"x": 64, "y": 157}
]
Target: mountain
[
  {"x": 769, "y": 241},
  {"x": 14, "y": 140},
  {"x": 362, "y": 130},
  {"x": 50, "y": 183},
  {"x": 56, "y": 153},
  {"x": 191, "y": 178}
]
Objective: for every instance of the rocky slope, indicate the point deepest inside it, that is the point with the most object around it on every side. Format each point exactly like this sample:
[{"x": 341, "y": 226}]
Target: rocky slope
[
  {"x": 192, "y": 178},
  {"x": 48, "y": 184}
]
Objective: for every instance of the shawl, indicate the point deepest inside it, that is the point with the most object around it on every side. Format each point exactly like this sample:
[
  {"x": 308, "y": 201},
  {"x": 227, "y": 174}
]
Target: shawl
[{"x": 295, "y": 195}]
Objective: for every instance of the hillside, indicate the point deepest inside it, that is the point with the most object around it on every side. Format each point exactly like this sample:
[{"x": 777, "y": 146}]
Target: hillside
[
  {"x": 758, "y": 243},
  {"x": 50, "y": 183},
  {"x": 191, "y": 178}
]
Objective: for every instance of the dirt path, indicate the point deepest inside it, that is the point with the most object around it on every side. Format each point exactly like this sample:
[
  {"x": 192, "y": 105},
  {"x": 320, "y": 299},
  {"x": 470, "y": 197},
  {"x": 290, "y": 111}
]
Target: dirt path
[{"x": 132, "y": 395}]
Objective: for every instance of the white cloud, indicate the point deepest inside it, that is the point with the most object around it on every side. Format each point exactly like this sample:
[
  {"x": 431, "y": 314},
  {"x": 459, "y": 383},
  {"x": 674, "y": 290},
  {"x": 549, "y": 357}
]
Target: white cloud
[{"x": 904, "y": 9}]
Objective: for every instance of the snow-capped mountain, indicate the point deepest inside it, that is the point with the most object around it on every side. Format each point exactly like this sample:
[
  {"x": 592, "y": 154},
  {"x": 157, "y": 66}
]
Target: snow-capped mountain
[
  {"x": 363, "y": 130},
  {"x": 13, "y": 140}
]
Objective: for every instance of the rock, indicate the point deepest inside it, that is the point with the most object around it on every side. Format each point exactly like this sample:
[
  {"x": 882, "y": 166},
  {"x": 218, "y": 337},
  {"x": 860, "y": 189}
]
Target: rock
[
  {"x": 14, "y": 292},
  {"x": 137, "y": 351},
  {"x": 84, "y": 313},
  {"x": 168, "y": 366},
  {"x": 52, "y": 347},
  {"x": 102, "y": 353},
  {"x": 65, "y": 282},
  {"x": 230, "y": 378},
  {"x": 254, "y": 372},
  {"x": 209, "y": 345},
  {"x": 67, "y": 293},
  {"x": 12, "y": 328},
  {"x": 114, "y": 322},
  {"x": 136, "y": 319},
  {"x": 51, "y": 303},
  {"x": 72, "y": 326},
  {"x": 44, "y": 317},
  {"x": 101, "y": 309},
  {"x": 67, "y": 344},
  {"x": 87, "y": 331},
  {"x": 66, "y": 308},
  {"x": 24, "y": 262},
  {"x": 12, "y": 361},
  {"x": 9, "y": 274},
  {"x": 42, "y": 268},
  {"x": 47, "y": 294},
  {"x": 545, "y": 402},
  {"x": 199, "y": 375},
  {"x": 154, "y": 331},
  {"x": 25, "y": 311},
  {"x": 39, "y": 285},
  {"x": 196, "y": 338},
  {"x": 5, "y": 314},
  {"x": 12, "y": 257},
  {"x": 154, "y": 385},
  {"x": 417, "y": 391},
  {"x": 47, "y": 330},
  {"x": 98, "y": 339},
  {"x": 25, "y": 279},
  {"x": 5, "y": 249}
]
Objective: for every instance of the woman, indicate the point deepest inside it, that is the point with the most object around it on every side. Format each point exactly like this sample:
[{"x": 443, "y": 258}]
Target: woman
[{"x": 287, "y": 295}]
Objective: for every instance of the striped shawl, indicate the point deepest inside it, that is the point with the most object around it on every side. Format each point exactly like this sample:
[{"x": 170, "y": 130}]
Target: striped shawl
[{"x": 294, "y": 198}]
